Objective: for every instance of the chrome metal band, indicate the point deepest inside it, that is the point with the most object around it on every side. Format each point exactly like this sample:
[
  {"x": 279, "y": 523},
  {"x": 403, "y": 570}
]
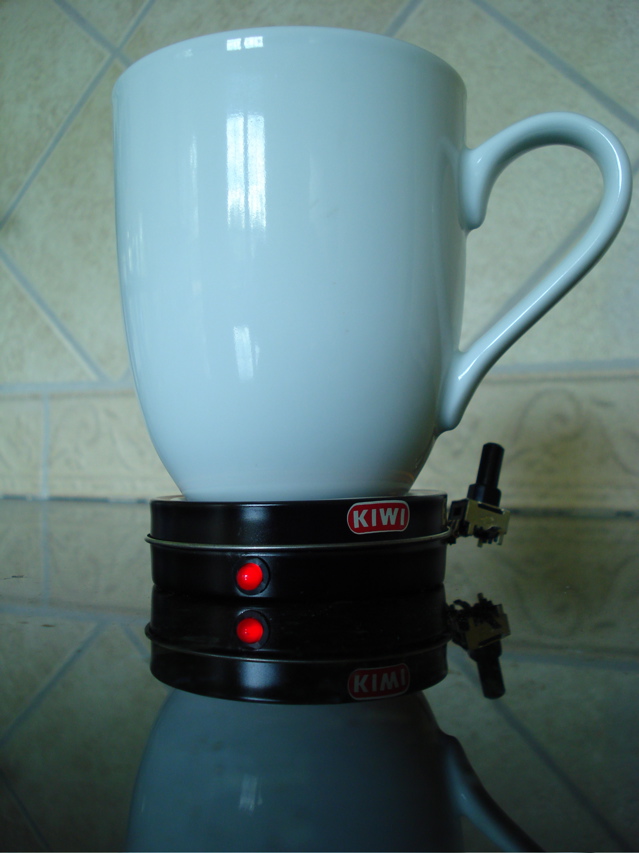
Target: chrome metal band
[{"x": 324, "y": 546}]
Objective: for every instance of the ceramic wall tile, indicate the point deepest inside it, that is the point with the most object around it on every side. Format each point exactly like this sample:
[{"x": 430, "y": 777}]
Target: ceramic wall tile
[
  {"x": 569, "y": 442},
  {"x": 168, "y": 22},
  {"x": 45, "y": 62},
  {"x": 22, "y": 551},
  {"x": 567, "y": 584},
  {"x": 98, "y": 559},
  {"x": 32, "y": 649},
  {"x": 541, "y": 200},
  {"x": 592, "y": 324},
  {"x": 21, "y": 446},
  {"x": 598, "y": 38},
  {"x": 32, "y": 348},
  {"x": 100, "y": 448},
  {"x": 597, "y": 321},
  {"x": 515, "y": 771},
  {"x": 62, "y": 235},
  {"x": 506, "y": 79},
  {"x": 112, "y": 18},
  {"x": 60, "y": 238},
  {"x": 73, "y": 761}
]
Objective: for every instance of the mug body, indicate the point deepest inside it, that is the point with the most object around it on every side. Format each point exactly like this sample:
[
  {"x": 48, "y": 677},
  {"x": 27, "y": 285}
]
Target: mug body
[{"x": 291, "y": 258}]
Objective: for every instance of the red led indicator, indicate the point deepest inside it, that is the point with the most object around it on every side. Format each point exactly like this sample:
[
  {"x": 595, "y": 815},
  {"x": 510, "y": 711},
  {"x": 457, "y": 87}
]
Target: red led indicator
[
  {"x": 249, "y": 577},
  {"x": 250, "y": 630}
]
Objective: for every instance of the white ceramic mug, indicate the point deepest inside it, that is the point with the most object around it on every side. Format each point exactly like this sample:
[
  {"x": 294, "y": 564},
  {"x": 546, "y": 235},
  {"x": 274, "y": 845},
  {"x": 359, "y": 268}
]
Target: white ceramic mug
[{"x": 292, "y": 208}]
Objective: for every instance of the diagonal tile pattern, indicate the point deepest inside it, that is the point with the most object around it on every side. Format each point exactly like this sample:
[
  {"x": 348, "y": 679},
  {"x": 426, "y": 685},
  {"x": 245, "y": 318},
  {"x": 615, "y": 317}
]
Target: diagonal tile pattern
[
  {"x": 17, "y": 830},
  {"x": 68, "y": 215},
  {"x": 602, "y": 46},
  {"x": 46, "y": 64},
  {"x": 539, "y": 200},
  {"x": 31, "y": 651},
  {"x": 38, "y": 354},
  {"x": 92, "y": 725},
  {"x": 62, "y": 330},
  {"x": 112, "y": 20},
  {"x": 167, "y": 22}
]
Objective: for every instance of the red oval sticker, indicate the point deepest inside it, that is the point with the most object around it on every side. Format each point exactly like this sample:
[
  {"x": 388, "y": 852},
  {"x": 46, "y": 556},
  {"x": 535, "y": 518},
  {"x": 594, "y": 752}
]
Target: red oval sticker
[
  {"x": 379, "y": 683},
  {"x": 378, "y": 517}
]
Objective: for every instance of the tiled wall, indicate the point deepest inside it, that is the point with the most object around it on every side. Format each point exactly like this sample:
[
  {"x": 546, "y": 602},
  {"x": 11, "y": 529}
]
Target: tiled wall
[{"x": 564, "y": 401}]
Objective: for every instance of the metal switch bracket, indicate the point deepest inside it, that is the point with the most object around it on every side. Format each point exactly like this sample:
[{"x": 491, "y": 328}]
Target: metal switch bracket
[
  {"x": 479, "y": 629},
  {"x": 486, "y": 523}
]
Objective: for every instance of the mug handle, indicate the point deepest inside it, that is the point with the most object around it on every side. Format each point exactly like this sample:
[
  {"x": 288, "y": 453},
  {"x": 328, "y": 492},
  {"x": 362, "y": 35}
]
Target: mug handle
[{"x": 479, "y": 169}]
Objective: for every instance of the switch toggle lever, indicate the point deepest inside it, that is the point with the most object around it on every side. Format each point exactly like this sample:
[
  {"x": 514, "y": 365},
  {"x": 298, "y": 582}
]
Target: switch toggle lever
[
  {"x": 479, "y": 629},
  {"x": 479, "y": 514}
]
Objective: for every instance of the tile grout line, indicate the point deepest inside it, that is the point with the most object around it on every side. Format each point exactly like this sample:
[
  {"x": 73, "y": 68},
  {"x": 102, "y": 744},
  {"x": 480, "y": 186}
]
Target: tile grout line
[
  {"x": 136, "y": 21},
  {"x": 100, "y": 499},
  {"x": 394, "y": 26},
  {"x": 401, "y": 17},
  {"x": 576, "y": 513},
  {"x": 113, "y": 52},
  {"x": 125, "y": 383},
  {"x": 546, "y": 371},
  {"x": 559, "y": 64},
  {"x": 37, "y": 299},
  {"x": 30, "y": 389},
  {"x": 615, "y": 660},
  {"x": 513, "y": 721},
  {"x": 45, "y": 538},
  {"x": 57, "y": 137},
  {"x": 557, "y": 369},
  {"x": 92, "y": 32},
  {"x": 41, "y": 694},
  {"x": 45, "y": 590},
  {"x": 46, "y": 445},
  {"x": 602, "y": 513},
  {"x": 545, "y": 268},
  {"x": 538, "y": 47},
  {"x": 24, "y": 811},
  {"x": 135, "y": 641},
  {"x": 102, "y": 619}
]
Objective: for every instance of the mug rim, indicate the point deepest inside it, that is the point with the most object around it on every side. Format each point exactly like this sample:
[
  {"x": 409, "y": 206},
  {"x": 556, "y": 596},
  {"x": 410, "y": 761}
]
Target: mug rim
[{"x": 184, "y": 48}]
